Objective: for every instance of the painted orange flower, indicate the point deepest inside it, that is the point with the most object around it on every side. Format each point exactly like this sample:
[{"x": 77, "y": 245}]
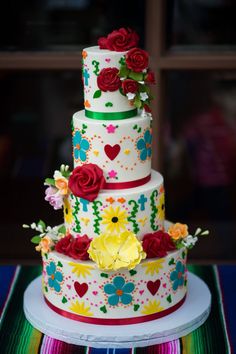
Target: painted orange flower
[{"x": 178, "y": 231}]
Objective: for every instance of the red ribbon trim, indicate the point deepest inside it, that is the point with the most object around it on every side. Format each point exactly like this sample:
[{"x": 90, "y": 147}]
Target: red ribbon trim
[
  {"x": 130, "y": 184},
  {"x": 115, "y": 321}
]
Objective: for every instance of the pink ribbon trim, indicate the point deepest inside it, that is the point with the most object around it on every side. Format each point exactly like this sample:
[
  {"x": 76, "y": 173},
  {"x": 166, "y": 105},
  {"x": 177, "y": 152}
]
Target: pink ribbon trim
[
  {"x": 115, "y": 321},
  {"x": 130, "y": 184}
]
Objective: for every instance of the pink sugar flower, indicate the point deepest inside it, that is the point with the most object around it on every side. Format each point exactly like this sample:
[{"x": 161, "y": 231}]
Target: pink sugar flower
[{"x": 53, "y": 196}]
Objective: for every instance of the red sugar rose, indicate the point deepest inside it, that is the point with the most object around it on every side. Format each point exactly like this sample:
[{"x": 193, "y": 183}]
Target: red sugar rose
[
  {"x": 137, "y": 59},
  {"x": 129, "y": 85},
  {"x": 108, "y": 79},
  {"x": 102, "y": 42},
  {"x": 86, "y": 181},
  {"x": 79, "y": 247},
  {"x": 63, "y": 245},
  {"x": 157, "y": 244},
  {"x": 147, "y": 108},
  {"x": 150, "y": 79},
  {"x": 119, "y": 40}
]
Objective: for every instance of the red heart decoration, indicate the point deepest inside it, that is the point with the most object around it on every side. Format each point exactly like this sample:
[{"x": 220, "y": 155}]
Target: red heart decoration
[
  {"x": 112, "y": 151},
  {"x": 153, "y": 286},
  {"x": 81, "y": 289}
]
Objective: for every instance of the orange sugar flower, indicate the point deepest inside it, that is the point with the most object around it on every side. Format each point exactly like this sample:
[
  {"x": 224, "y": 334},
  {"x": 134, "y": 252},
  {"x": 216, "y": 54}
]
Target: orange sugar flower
[
  {"x": 45, "y": 244},
  {"x": 178, "y": 231},
  {"x": 62, "y": 185}
]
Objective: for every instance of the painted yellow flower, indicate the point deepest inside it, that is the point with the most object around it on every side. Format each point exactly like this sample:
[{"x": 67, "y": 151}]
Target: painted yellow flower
[
  {"x": 161, "y": 207},
  {"x": 112, "y": 252},
  {"x": 153, "y": 266},
  {"x": 178, "y": 231},
  {"x": 68, "y": 217},
  {"x": 80, "y": 308},
  {"x": 152, "y": 307},
  {"x": 115, "y": 219},
  {"x": 81, "y": 270},
  {"x": 45, "y": 244}
]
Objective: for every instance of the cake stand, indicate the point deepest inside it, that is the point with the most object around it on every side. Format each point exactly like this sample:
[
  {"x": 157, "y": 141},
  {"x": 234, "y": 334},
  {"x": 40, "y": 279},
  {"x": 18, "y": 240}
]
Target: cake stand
[{"x": 191, "y": 315}]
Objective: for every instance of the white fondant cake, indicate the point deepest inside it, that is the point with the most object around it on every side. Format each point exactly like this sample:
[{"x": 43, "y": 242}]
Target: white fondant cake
[{"x": 94, "y": 266}]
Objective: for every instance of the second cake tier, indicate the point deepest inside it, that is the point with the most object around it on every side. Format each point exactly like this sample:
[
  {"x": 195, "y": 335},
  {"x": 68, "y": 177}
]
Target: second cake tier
[
  {"x": 122, "y": 148},
  {"x": 140, "y": 210}
]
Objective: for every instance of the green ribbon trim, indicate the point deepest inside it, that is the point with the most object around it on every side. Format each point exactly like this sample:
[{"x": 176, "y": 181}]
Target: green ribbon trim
[{"x": 112, "y": 115}]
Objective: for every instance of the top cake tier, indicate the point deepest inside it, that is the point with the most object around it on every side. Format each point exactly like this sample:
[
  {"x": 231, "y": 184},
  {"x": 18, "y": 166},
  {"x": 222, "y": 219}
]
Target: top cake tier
[{"x": 98, "y": 103}]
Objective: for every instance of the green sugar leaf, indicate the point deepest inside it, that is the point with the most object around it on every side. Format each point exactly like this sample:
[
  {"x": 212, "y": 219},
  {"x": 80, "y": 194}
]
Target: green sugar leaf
[
  {"x": 50, "y": 181},
  {"x": 137, "y": 102},
  {"x": 42, "y": 223},
  {"x": 136, "y": 76},
  {"x": 64, "y": 300},
  {"x": 59, "y": 264},
  {"x": 124, "y": 72},
  {"x": 183, "y": 254},
  {"x": 36, "y": 239},
  {"x": 97, "y": 94},
  {"x": 62, "y": 229}
]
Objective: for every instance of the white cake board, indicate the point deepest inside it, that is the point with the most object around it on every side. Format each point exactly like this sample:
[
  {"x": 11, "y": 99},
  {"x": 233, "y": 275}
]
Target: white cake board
[{"x": 191, "y": 315}]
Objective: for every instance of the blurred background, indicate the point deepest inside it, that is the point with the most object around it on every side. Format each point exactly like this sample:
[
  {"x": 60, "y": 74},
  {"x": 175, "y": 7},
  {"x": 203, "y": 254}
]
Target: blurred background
[{"x": 193, "y": 50}]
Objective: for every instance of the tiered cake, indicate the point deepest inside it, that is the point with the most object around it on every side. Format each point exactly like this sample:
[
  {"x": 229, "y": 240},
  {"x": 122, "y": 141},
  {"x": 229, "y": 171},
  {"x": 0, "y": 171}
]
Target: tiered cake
[{"x": 112, "y": 262}]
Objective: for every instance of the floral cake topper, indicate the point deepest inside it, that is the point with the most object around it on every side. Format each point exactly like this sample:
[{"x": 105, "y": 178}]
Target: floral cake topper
[{"x": 133, "y": 77}]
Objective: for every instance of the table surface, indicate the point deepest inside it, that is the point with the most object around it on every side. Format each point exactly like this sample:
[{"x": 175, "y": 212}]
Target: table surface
[{"x": 217, "y": 335}]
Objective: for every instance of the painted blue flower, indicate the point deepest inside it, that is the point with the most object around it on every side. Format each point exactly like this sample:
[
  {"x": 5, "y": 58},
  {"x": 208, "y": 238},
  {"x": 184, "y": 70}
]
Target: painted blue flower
[
  {"x": 55, "y": 277},
  {"x": 119, "y": 291},
  {"x": 145, "y": 146},
  {"x": 81, "y": 145},
  {"x": 177, "y": 276}
]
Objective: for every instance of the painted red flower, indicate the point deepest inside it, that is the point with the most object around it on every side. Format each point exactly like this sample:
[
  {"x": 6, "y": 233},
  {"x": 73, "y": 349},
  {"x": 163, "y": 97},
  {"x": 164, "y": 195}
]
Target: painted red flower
[
  {"x": 63, "y": 245},
  {"x": 86, "y": 181},
  {"x": 119, "y": 40},
  {"x": 129, "y": 85},
  {"x": 108, "y": 79},
  {"x": 157, "y": 244},
  {"x": 137, "y": 59},
  {"x": 150, "y": 78},
  {"x": 79, "y": 247}
]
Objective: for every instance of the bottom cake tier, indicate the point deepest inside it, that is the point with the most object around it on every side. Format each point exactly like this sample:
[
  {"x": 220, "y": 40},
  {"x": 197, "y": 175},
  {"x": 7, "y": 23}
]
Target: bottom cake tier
[{"x": 80, "y": 291}]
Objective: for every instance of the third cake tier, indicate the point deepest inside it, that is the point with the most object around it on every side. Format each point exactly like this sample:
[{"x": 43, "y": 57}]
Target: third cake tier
[{"x": 140, "y": 210}]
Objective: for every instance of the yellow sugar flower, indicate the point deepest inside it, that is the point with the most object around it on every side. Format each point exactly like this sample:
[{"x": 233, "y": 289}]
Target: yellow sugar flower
[
  {"x": 112, "y": 252},
  {"x": 80, "y": 308},
  {"x": 178, "y": 231},
  {"x": 152, "y": 307},
  {"x": 68, "y": 217},
  {"x": 45, "y": 244},
  {"x": 161, "y": 207},
  {"x": 115, "y": 219}
]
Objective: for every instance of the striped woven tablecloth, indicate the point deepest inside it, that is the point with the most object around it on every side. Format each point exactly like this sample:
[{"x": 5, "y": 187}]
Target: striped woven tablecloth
[{"x": 215, "y": 336}]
